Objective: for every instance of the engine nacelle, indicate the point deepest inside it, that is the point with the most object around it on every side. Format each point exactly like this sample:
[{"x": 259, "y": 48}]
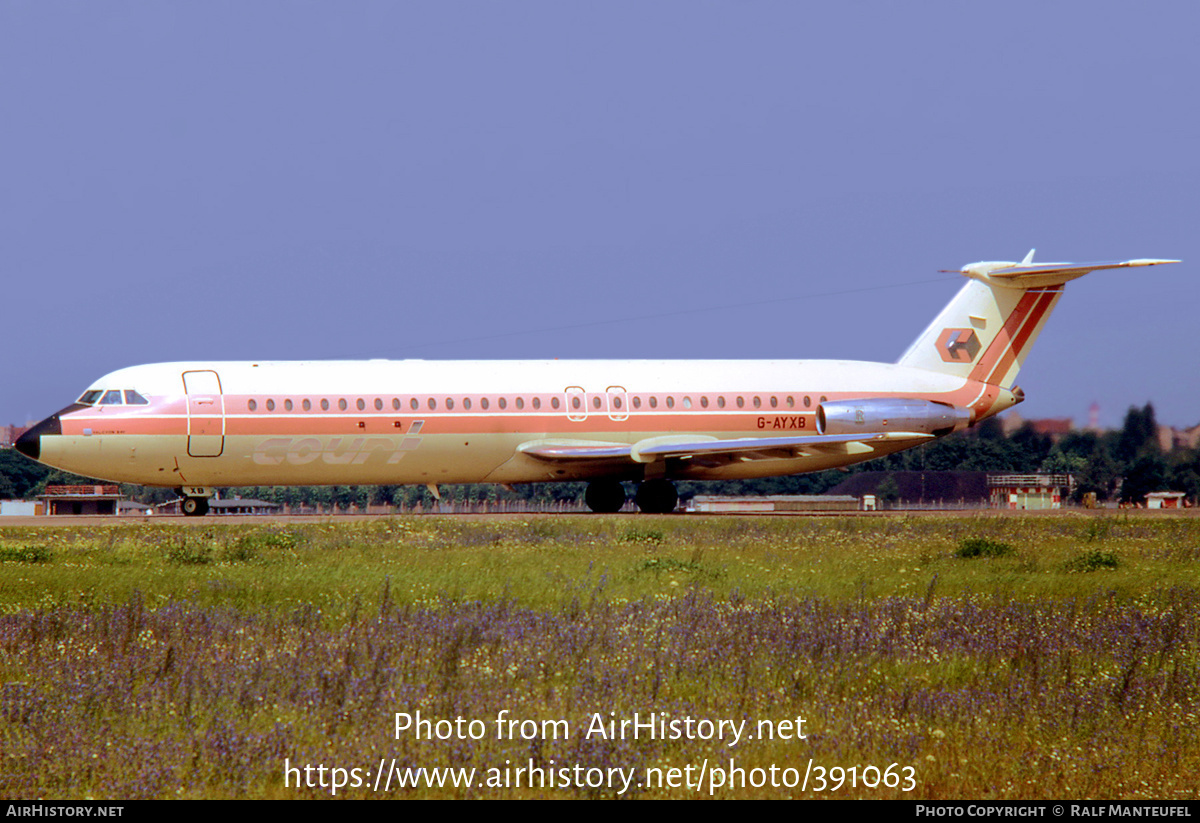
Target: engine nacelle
[{"x": 890, "y": 414}]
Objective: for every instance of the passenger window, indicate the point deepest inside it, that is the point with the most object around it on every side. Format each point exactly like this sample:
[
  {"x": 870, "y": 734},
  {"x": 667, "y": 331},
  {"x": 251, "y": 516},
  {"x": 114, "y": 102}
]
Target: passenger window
[
  {"x": 704, "y": 402},
  {"x": 111, "y": 398},
  {"x": 307, "y": 404},
  {"x": 483, "y": 403},
  {"x": 432, "y": 404},
  {"x": 741, "y": 402},
  {"x": 807, "y": 401},
  {"x": 449, "y": 403},
  {"x": 467, "y": 403},
  {"x": 395, "y": 404},
  {"x": 342, "y": 403},
  {"x": 553, "y": 402},
  {"x": 324, "y": 404},
  {"x": 132, "y": 398},
  {"x": 595, "y": 402},
  {"x": 721, "y": 401},
  {"x": 637, "y": 402},
  {"x": 757, "y": 402},
  {"x": 270, "y": 405},
  {"x": 520, "y": 402},
  {"x": 378, "y": 404},
  {"x": 653, "y": 402},
  {"x": 503, "y": 403},
  {"x": 361, "y": 404},
  {"x": 287, "y": 404},
  {"x": 687, "y": 402},
  {"x": 616, "y": 402},
  {"x": 670, "y": 402},
  {"x": 253, "y": 405},
  {"x": 791, "y": 402},
  {"x": 414, "y": 403},
  {"x": 774, "y": 402}
]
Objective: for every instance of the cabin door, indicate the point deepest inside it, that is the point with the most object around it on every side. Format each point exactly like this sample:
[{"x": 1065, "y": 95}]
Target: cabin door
[{"x": 206, "y": 413}]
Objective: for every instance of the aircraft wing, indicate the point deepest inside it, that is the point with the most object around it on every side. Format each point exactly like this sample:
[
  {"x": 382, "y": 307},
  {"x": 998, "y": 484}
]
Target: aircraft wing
[{"x": 710, "y": 451}]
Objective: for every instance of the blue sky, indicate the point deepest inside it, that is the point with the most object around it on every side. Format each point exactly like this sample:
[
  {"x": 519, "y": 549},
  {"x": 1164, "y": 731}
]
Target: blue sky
[{"x": 229, "y": 181}]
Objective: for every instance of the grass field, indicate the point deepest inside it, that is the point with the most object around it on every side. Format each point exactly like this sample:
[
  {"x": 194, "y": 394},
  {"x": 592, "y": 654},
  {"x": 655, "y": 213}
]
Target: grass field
[{"x": 967, "y": 657}]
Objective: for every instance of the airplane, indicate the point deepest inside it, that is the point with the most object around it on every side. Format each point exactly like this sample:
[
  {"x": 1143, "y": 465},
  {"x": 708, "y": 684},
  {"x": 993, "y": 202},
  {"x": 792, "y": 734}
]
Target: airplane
[{"x": 195, "y": 426}]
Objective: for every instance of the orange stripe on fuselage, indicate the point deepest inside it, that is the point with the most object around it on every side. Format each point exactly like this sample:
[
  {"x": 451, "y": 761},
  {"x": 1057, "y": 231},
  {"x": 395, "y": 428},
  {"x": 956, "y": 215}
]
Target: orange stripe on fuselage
[{"x": 163, "y": 418}]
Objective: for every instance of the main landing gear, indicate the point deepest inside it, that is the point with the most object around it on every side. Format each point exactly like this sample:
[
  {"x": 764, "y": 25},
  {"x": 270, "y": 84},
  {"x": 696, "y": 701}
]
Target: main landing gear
[
  {"x": 656, "y": 496},
  {"x": 604, "y": 496}
]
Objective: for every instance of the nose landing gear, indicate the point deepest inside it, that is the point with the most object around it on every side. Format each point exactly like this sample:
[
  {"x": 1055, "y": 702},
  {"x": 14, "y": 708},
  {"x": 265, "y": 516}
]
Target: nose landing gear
[
  {"x": 195, "y": 500},
  {"x": 194, "y": 506}
]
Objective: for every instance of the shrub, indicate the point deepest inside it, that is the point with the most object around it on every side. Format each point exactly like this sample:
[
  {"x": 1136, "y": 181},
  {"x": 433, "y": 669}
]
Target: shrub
[
  {"x": 982, "y": 547},
  {"x": 25, "y": 554},
  {"x": 1092, "y": 561},
  {"x": 652, "y": 536},
  {"x": 188, "y": 554}
]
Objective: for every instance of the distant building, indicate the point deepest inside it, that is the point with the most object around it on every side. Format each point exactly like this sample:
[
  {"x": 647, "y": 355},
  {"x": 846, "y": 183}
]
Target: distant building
[
  {"x": 715, "y": 504},
  {"x": 234, "y": 505},
  {"x": 98, "y": 499},
  {"x": 21, "y": 508},
  {"x": 9, "y": 434},
  {"x": 1166, "y": 500},
  {"x": 1029, "y": 491},
  {"x": 951, "y": 489},
  {"x": 1053, "y": 427}
]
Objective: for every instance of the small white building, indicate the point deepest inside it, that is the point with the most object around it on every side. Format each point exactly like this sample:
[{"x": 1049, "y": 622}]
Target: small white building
[{"x": 1165, "y": 500}]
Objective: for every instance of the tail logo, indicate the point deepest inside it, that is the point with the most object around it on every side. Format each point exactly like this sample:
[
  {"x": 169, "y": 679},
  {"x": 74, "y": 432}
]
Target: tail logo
[{"x": 958, "y": 345}]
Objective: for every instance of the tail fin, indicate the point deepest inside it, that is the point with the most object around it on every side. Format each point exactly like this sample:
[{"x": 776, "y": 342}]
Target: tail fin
[{"x": 987, "y": 330}]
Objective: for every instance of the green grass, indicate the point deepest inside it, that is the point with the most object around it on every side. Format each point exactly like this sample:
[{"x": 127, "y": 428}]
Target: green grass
[
  {"x": 537, "y": 562},
  {"x": 189, "y": 659}
]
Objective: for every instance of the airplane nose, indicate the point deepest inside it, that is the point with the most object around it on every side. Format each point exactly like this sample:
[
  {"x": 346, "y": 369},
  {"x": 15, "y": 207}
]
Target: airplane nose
[{"x": 30, "y": 443}]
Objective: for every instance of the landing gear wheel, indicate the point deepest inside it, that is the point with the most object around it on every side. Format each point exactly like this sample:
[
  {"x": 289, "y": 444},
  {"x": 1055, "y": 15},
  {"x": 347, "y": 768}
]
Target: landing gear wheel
[
  {"x": 657, "y": 497},
  {"x": 604, "y": 496},
  {"x": 194, "y": 506}
]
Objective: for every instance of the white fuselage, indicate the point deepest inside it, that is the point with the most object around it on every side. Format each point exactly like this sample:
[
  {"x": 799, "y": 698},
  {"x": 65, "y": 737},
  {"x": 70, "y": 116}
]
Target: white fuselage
[{"x": 415, "y": 421}]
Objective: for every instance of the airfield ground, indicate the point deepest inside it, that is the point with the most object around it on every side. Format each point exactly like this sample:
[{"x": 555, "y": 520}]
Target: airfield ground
[{"x": 978, "y": 655}]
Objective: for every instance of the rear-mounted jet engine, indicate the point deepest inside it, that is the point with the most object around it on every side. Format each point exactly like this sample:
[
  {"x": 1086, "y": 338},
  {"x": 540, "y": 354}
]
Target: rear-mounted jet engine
[{"x": 884, "y": 414}]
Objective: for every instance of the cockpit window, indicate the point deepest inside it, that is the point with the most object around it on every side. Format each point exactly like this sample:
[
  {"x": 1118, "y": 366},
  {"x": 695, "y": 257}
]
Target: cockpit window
[
  {"x": 132, "y": 398},
  {"x": 111, "y": 398},
  {"x": 90, "y": 397}
]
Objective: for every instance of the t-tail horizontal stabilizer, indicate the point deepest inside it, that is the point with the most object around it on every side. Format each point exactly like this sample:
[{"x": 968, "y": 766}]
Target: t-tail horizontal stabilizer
[
  {"x": 1028, "y": 275},
  {"x": 988, "y": 329}
]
